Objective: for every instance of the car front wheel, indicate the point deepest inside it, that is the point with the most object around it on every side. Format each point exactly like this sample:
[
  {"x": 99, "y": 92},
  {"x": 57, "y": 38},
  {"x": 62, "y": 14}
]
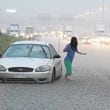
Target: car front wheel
[{"x": 53, "y": 76}]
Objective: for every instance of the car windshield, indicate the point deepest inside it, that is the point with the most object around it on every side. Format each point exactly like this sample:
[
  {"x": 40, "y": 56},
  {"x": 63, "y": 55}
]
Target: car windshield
[{"x": 32, "y": 51}]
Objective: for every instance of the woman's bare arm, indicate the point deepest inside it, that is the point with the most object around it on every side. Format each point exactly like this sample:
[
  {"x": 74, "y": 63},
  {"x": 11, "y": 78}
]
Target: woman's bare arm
[{"x": 80, "y": 52}]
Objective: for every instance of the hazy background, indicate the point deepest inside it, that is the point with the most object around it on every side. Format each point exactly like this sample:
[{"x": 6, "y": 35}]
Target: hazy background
[{"x": 83, "y": 15}]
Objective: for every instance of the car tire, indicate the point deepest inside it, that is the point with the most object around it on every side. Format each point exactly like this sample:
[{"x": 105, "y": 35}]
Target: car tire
[
  {"x": 61, "y": 73},
  {"x": 53, "y": 76}
]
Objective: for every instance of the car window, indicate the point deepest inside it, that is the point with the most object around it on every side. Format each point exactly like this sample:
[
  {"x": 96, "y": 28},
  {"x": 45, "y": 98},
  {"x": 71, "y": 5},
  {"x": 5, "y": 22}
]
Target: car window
[
  {"x": 33, "y": 51},
  {"x": 53, "y": 51},
  {"x": 17, "y": 51},
  {"x": 38, "y": 52},
  {"x": 46, "y": 51}
]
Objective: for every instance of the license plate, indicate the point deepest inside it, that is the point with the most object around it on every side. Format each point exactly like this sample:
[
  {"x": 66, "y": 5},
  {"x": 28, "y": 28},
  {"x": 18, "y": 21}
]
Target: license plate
[{"x": 20, "y": 76}]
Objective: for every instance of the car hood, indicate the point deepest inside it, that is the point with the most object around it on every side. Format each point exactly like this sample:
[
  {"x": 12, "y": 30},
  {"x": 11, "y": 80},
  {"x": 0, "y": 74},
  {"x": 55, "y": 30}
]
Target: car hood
[{"x": 23, "y": 62}]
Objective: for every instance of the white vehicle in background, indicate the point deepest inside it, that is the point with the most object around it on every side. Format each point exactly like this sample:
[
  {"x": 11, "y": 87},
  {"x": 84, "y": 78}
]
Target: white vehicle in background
[
  {"x": 87, "y": 38},
  {"x": 13, "y": 30},
  {"x": 102, "y": 39},
  {"x": 97, "y": 38},
  {"x": 36, "y": 37}
]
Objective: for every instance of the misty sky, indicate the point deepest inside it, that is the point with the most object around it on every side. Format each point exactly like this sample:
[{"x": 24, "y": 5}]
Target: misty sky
[
  {"x": 53, "y": 7},
  {"x": 27, "y": 11}
]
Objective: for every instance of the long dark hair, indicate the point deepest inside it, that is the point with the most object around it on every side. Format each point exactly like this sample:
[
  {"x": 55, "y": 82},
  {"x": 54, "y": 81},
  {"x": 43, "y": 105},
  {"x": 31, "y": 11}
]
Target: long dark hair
[{"x": 74, "y": 43}]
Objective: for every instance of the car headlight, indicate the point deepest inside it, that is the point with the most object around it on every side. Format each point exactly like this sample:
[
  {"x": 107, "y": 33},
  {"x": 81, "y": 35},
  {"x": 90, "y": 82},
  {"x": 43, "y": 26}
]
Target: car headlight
[
  {"x": 42, "y": 68},
  {"x": 2, "y": 68}
]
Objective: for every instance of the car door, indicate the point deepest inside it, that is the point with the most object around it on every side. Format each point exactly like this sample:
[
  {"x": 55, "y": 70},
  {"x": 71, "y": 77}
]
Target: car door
[{"x": 56, "y": 61}]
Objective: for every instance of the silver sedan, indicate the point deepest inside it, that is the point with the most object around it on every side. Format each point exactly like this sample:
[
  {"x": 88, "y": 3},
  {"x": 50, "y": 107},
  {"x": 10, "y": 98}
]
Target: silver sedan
[{"x": 30, "y": 61}]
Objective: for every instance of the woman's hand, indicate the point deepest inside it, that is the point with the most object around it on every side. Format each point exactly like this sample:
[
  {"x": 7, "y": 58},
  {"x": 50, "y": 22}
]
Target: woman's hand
[{"x": 83, "y": 54}]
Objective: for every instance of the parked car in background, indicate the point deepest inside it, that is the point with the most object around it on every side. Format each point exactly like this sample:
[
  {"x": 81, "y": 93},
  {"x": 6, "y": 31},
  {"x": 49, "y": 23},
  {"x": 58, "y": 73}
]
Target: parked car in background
[
  {"x": 86, "y": 40},
  {"x": 30, "y": 61}
]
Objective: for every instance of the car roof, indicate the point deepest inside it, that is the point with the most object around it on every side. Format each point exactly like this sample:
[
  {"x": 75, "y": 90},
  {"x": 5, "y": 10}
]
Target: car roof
[{"x": 30, "y": 42}]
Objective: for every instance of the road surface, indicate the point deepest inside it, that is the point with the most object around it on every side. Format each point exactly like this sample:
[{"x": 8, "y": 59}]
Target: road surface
[{"x": 88, "y": 89}]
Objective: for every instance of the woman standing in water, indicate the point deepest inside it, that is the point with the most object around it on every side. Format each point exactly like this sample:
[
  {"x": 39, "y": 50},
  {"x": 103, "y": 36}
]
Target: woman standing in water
[{"x": 70, "y": 48}]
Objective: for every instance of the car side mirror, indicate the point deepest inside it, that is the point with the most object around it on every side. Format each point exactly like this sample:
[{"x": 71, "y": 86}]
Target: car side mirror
[{"x": 56, "y": 56}]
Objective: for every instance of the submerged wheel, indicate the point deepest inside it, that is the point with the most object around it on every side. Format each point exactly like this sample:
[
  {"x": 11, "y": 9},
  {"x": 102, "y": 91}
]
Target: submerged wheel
[
  {"x": 61, "y": 73},
  {"x": 53, "y": 76}
]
